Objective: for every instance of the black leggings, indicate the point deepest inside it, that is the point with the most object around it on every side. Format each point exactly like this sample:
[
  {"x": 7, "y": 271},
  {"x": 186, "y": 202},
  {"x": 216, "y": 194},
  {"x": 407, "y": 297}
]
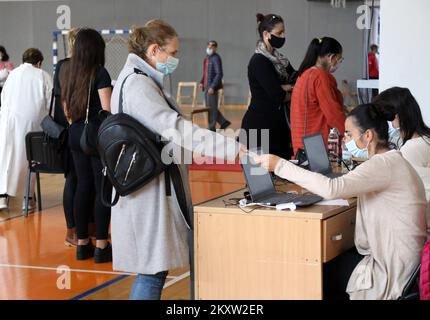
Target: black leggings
[
  {"x": 89, "y": 173},
  {"x": 70, "y": 191},
  {"x": 337, "y": 273},
  {"x": 69, "y": 197}
]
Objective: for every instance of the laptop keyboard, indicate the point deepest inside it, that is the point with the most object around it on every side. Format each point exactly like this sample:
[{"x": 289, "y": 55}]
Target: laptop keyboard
[{"x": 298, "y": 199}]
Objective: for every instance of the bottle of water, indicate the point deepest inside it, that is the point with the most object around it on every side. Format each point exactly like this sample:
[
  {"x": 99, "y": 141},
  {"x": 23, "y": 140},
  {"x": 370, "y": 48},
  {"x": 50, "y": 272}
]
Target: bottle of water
[
  {"x": 346, "y": 157},
  {"x": 333, "y": 145}
]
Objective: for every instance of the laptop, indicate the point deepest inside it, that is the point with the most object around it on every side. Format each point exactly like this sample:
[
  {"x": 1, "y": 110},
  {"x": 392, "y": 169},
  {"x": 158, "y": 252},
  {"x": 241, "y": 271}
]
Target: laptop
[
  {"x": 262, "y": 189},
  {"x": 317, "y": 155}
]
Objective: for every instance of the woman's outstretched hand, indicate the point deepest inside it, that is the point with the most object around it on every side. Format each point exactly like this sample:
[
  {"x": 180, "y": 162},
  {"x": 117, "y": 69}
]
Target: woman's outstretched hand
[{"x": 267, "y": 161}]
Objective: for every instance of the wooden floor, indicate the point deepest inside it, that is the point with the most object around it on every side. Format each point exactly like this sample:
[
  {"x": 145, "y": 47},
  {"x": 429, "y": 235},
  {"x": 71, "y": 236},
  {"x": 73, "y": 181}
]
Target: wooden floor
[{"x": 33, "y": 256}]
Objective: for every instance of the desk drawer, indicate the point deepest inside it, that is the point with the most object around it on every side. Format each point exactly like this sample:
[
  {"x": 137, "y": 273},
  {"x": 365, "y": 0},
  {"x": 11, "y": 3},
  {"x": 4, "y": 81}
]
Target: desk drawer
[{"x": 338, "y": 234}]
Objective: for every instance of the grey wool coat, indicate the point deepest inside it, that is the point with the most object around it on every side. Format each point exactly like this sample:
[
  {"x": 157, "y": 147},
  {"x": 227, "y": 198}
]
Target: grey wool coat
[{"x": 149, "y": 233}]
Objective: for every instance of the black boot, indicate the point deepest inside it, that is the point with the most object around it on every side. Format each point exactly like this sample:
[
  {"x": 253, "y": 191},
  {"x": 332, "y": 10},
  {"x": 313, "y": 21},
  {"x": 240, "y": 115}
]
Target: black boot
[
  {"x": 103, "y": 255},
  {"x": 84, "y": 252}
]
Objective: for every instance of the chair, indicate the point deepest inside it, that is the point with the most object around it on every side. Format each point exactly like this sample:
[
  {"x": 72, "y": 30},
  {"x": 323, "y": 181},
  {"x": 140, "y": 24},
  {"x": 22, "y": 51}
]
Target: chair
[
  {"x": 42, "y": 157},
  {"x": 193, "y": 97}
]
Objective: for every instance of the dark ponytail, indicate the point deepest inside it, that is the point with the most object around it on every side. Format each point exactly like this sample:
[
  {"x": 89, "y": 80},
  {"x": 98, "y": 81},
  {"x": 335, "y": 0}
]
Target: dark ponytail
[
  {"x": 319, "y": 47},
  {"x": 5, "y": 55},
  {"x": 373, "y": 116},
  {"x": 267, "y": 23},
  {"x": 401, "y": 102}
]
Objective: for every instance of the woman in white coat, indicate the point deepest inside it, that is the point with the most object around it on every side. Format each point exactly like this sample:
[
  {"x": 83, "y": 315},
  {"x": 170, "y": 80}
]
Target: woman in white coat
[
  {"x": 149, "y": 233},
  {"x": 25, "y": 102}
]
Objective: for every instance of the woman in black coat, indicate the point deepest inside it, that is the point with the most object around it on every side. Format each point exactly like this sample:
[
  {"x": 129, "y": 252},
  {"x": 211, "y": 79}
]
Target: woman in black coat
[{"x": 269, "y": 75}]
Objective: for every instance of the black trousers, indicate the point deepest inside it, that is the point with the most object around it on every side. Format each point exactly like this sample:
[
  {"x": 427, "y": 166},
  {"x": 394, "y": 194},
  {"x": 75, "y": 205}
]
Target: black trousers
[
  {"x": 336, "y": 274},
  {"x": 215, "y": 116},
  {"x": 89, "y": 173}
]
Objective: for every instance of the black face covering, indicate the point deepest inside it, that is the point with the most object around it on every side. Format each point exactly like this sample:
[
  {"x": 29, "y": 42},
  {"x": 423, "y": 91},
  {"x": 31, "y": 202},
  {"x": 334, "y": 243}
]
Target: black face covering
[{"x": 276, "y": 42}]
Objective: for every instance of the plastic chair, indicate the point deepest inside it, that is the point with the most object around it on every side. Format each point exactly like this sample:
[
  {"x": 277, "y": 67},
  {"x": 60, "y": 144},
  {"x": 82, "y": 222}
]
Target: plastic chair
[{"x": 42, "y": 157}]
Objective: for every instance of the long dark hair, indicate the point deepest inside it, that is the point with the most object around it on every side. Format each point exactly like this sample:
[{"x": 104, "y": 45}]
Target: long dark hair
[
  {"x": 267, "y": 23},
  {"x": 88, "y": 56},
  {"x": 319, "y": 47},
  {"x": 5, "y": 56},
  {"x": 401, "y": 102},
  {"x": 372, "y": 116}
]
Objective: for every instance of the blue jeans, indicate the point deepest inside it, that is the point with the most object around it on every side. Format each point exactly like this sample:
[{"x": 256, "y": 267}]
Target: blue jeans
[{"x": 148, "y": 286}]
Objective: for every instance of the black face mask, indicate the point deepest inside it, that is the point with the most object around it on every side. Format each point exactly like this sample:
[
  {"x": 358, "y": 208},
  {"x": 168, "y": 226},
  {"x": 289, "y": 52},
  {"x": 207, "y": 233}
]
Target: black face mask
[{"x": 276, "y": 42}]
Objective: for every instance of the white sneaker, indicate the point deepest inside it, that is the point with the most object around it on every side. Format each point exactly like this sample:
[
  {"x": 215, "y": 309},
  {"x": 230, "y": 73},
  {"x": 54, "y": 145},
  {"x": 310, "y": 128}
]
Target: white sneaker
[
  {"x": 4, "y": 203},
  {"x": 31, "y": 205}
]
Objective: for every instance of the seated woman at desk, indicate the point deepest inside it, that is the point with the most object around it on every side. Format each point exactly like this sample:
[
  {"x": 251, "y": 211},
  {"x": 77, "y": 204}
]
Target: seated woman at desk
[
  {"x": 412, "y": 131},
  {"x": 391, "y": 221}
]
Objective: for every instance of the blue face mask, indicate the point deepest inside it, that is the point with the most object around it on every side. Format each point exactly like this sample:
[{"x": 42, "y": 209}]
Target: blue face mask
[
  {"x": 168, "y": 67},
  {"x": 393, "y": 133},
  {"x": 356, "y": 151},
  {"x": 209, "y": 52}
]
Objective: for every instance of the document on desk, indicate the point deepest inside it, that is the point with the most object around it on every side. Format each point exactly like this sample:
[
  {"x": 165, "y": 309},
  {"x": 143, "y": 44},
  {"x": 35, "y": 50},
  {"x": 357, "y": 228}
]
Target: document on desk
[{"x": 337, "y": 202}]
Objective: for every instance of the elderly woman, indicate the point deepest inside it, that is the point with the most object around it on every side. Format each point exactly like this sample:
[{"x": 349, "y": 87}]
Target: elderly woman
[{"x": 149, "y": 232}]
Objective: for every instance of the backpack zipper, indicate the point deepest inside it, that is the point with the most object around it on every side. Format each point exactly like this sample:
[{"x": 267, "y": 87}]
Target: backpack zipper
[
  {"x": 120, "y": 156},
  {"x": 133, "y": 160}
]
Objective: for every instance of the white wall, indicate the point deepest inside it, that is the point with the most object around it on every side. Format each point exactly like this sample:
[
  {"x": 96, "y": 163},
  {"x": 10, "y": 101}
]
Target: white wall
[{"x": 405, "y": 48}]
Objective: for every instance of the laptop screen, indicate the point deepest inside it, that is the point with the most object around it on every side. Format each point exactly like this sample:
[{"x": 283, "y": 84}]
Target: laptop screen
[
  {"x": 258, "y": 179},
  {"x": 317, "y": 154}
]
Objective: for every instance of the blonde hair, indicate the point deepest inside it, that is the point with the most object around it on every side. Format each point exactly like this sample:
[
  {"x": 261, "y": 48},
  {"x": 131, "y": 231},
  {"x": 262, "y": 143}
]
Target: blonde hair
[
  {"x": 154, "y": 32},
  {"x": 71, "y": 37}
]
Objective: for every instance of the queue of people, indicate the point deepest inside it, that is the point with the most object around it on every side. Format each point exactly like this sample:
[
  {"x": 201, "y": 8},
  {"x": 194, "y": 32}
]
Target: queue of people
[{"x": 149, "y": 233}]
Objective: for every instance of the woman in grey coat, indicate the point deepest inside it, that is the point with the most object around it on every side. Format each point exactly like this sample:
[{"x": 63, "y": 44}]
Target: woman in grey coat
[{"x": 149, "y": 233}]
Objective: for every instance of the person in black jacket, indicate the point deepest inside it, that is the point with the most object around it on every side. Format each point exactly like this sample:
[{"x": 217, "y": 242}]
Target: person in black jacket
[{"x": 270, "y": 77}]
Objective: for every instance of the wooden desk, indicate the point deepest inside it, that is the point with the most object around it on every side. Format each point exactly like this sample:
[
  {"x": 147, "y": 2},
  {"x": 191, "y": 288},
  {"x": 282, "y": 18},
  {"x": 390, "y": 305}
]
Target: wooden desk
[{"x": 267, "y": 254}]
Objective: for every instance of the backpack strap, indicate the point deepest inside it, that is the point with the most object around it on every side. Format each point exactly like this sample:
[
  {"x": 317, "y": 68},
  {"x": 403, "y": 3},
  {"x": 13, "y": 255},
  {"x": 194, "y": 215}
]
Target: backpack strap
[
  {"x": 106, "y": 192},
  {"x": 176, "y": 177},
  {"x": 121, "y": 98}
]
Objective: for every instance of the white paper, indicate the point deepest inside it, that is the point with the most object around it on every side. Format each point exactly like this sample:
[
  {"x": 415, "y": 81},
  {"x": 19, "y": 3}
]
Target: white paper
[{"x": 338, "y": 202}]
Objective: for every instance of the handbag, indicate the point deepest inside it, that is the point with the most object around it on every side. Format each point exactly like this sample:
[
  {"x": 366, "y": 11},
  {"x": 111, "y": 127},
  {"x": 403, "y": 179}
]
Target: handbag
[
  {"x": 53, "y": 129},
  {"x": 88, "y": 140}
]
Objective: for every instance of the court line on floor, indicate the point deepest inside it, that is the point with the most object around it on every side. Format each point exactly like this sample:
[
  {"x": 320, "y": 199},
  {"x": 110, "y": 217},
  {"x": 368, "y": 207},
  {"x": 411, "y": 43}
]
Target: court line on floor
[
  {"x": 17, "y": 266},
  {"x": 111, "y": 282},
  {"x": 176, "y": 279},
  {"x": 98, "y": 288}
]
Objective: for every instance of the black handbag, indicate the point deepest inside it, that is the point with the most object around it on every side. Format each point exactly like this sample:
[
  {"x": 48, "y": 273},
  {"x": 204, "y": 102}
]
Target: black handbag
[
  {"x": 88, "y": 141},
  {"x": 53, "y": 129}
]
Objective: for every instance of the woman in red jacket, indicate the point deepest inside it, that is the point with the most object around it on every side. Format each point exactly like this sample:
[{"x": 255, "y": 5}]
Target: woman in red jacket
[{"x": 317, "y": 104}]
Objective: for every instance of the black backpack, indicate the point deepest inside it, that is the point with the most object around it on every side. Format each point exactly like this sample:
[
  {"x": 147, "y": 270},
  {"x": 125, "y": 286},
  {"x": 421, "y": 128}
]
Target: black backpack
[{"x": 131, "y": 157}]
